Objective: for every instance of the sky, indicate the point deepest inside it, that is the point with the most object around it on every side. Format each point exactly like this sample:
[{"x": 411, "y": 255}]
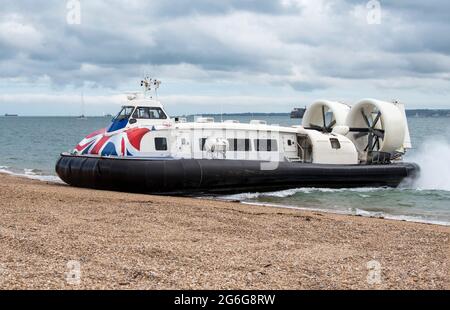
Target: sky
[{"x": 221, "y": 56}]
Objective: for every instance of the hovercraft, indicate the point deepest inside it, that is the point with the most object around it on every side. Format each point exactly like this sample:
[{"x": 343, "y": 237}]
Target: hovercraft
[{"x": 144, "y": 150}]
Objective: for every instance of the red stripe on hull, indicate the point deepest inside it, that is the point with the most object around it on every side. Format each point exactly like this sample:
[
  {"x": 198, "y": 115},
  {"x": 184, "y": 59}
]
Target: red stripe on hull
[
  {"x": 99, "y": 145},
  {"x": 135, "y": 136},
  {"x": 122, "y": 147},
  {"x": 80, "y": 148}
]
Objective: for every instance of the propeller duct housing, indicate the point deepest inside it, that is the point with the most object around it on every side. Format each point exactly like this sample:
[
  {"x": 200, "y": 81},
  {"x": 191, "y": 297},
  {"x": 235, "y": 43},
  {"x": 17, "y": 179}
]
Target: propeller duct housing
[
  {"x": 376, "y": 125},
  {"x": 323, "y": 115}
]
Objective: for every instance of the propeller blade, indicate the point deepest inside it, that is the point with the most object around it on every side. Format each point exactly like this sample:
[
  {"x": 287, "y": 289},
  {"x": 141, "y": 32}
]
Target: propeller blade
[
  {"x": 315, "y": 127},
  {"x": 375, "y": 143},
  {"x": 367, "y": 146},
  {"x": 360, "y": 135},
  {"x": 378, "y": 144},
  {"x": 365, "y": 118},
  {"x": 376, "y": 119},
  {"x": 333, "y": 122},
  {"x": 369, "y": 143},
  {"x": 379, "y": 133},
  {"x": 323, "y": 117},
  {"x": 354, "y": 129}
]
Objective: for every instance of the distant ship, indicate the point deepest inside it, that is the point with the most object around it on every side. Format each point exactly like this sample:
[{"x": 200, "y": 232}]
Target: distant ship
[
  {"x": 11, "y": 115},
  {"x": 82, "y": 116},
  {"x": 298, "y": 112}
]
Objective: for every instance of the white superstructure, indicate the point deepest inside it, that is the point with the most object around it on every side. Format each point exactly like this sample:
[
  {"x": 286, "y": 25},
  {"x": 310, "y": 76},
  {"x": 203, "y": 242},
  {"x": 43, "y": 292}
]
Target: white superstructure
[{"x": 331, "y": 133}]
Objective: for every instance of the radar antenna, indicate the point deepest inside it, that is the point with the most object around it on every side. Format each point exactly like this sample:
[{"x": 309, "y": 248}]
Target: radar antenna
[
  {"x": 148, "y": 83},
  {"x": 156, "y": 84}
]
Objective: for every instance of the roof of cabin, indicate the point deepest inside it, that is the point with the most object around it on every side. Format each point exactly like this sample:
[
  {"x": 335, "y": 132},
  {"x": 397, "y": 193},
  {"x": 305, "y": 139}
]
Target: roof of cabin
[
  {"x": 143, "y": 102},
  {"x": 235, "y": 126}
]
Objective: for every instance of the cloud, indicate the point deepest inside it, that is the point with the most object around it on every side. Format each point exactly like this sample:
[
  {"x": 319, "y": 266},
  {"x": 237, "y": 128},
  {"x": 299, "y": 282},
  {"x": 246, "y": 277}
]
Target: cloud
[
  {"x": 16, "y": 33},
  {"x": 254, "y": 47}
]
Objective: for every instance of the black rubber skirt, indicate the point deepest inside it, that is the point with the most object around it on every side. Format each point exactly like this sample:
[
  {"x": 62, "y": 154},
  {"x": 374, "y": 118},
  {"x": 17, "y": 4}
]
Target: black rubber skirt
[{"x": 207, "y": 176}]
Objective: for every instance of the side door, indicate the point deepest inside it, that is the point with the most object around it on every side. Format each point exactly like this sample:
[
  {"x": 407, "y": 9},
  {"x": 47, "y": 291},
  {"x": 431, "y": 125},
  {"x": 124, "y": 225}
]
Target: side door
[{"x": 183, "y": 145}]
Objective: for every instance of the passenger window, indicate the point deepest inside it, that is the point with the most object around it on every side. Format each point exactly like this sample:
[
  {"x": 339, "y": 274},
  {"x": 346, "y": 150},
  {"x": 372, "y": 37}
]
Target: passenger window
[
  {"x": 266, "y": 145},
  {"x": 149, "y": 113},
  {"x": 160, "y": 144},
  {"x": 202, "y": 144},
  {"x": 241, "y": 145},
  {"x": 335, "y": 144}
]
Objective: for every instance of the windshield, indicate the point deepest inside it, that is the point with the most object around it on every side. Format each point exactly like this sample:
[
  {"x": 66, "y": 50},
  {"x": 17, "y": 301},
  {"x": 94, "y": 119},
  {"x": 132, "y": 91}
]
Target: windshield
[
  {"x": 124, "y": 113},
  {"x": 149, "y": 113}
]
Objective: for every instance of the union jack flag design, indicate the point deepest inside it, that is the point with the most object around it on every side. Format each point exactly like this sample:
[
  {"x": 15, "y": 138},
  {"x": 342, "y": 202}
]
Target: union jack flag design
[{"x": 124, "y": 143}]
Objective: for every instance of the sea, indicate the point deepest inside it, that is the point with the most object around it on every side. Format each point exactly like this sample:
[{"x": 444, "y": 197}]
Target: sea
[{"x": 30, "y": 146}]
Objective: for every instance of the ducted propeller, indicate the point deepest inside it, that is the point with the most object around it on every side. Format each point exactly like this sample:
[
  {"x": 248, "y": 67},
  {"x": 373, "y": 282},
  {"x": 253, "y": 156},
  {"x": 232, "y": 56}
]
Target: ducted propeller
[
  {"x": 372, "y": 131},
  {"x": 324, "y": 127}
]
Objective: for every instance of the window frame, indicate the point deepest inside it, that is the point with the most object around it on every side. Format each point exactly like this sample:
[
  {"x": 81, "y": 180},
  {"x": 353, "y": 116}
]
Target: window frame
[{"x": 163, "y": 144}]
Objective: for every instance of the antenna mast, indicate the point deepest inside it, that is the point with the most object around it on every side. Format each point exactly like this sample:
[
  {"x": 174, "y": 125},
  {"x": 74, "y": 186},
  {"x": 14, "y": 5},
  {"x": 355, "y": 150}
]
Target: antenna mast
[
  {"x": 147, "y": 83},
  {"x": 156, "y": 84}
]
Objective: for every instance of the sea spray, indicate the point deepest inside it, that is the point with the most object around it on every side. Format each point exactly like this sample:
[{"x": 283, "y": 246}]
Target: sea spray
[{"x": 433, "y": 157}]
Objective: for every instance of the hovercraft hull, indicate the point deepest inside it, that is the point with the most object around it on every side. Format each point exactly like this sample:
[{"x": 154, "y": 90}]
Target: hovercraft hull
[{"x": 194, "y": 176}]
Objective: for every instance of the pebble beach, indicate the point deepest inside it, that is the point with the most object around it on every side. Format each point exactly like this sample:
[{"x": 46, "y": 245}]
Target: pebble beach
[{"x": 134, "y": 241}]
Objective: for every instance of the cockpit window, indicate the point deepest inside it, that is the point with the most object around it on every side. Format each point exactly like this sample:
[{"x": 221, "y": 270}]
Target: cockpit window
[
  {"x": 124, "y": 113},
  {"x": 149, "y": 113}
]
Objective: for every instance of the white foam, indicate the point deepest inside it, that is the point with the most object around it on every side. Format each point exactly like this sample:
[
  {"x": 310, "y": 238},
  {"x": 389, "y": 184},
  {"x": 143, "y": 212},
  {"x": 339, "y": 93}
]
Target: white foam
[
  {"x": 303, "y": 190},
  {"x": 31, "y": 171},
  {"x": 243, "y": 196},
  {"x": 355, "y": 212},
  {"x": 433, "y": 159},
  {"x": 249, "y": 198},
  {"x": 31, "y": 174},
  {"x": 407, "y": 218}
]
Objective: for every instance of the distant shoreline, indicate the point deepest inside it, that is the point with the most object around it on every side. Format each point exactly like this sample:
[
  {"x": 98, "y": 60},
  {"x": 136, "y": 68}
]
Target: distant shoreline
[{"x": 409, "y": 113}]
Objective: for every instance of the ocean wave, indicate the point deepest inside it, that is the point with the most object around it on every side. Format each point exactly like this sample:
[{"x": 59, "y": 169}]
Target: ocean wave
[
  {"x": 356, "y": 212},
  {"x": 34, "y": 174},
  {"x": 303, "y": 190},
  {"x": 32, "y": 171},
  {"x": 407, "y": 218}
]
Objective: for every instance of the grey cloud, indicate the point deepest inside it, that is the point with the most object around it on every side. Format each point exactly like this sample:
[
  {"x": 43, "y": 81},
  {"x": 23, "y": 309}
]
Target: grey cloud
[
  {"x": 187, "y": 7},
  {"x": 116, "y": 38},
  {"x": 307, "y": 86}
]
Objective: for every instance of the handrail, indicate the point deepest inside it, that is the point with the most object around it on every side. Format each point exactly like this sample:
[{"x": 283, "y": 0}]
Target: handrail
[{"x": 303, "y": 151}]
